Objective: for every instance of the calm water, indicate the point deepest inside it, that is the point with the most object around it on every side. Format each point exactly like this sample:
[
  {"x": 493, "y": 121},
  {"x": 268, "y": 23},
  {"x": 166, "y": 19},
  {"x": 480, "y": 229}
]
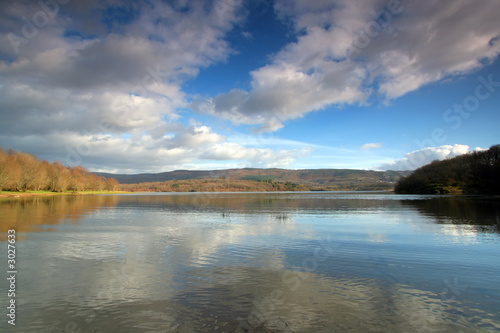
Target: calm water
[{"x": 259, "y": 262}]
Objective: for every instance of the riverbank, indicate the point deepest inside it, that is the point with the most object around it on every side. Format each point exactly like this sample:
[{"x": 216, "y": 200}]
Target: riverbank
[{"x": 29, "y": 194}]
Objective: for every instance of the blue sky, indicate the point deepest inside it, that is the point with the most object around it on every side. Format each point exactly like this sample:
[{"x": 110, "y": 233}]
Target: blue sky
[{"x": 152, "y": 86}]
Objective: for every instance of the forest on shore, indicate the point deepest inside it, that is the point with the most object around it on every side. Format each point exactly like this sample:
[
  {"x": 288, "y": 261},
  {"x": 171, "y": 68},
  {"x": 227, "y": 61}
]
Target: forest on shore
[
  {"x": 474, "y": 173},
  {"x": 213, "y": 185},
  {"x": 256, "y": 179},
  {"x": 25, "y": 172}
]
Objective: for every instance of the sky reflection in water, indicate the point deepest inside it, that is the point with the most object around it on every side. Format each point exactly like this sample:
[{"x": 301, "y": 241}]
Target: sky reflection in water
[{"x": 292, "y": 262}]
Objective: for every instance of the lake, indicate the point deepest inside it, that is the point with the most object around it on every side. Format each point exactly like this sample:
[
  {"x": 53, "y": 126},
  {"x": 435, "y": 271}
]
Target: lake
[{"x": 254, "y": 262}]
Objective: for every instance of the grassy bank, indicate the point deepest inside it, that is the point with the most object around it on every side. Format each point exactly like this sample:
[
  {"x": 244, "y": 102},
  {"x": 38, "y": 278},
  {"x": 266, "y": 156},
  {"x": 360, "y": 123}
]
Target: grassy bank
[{"x": 28, "y": 194}]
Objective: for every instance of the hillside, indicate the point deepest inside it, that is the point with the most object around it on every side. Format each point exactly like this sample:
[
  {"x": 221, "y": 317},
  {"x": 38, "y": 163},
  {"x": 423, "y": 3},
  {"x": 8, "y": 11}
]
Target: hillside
[
  {"x": 476, "y": 173},
  {"x": 213, "y": 185},
  {"x": 312, "y": 179},
  {"x": 25, "y": 172}
]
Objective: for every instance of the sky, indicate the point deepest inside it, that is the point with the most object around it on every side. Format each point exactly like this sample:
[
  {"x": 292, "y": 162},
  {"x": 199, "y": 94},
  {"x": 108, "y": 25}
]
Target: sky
[{"x": 152, "y": 86}]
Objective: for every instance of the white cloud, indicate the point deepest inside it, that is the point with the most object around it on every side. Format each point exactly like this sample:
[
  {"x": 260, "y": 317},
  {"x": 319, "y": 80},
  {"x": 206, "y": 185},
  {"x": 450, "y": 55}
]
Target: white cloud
[
  {"x": 368, "y": 146},
  {"x": 170, "y": 147},
  {"x": 109, "y": 95},
  {"x": 421, "y": 157},
  {"x": 345, "y": 55},
  {"x": 131, "y": 76},
  {"x": 284, "y": 92},
  {"x": 82, "y": 81}
]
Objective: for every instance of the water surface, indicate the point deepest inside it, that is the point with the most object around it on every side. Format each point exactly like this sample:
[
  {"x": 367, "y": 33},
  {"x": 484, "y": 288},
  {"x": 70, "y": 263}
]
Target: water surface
[{"x": 255, "y": 262}]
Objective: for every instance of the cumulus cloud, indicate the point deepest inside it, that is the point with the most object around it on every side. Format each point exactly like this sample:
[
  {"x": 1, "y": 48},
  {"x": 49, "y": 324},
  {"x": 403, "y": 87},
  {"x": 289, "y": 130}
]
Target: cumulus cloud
[
  {"x": 169, "y": 147},
  {"x": 267, "y": 158},
  {"x": 349, "y": 52},
  {"x": 421, "y": 157},
  {"x": 284, "y": 92},
  {"x": 96, "y": 90},
  {"x": 101, "y": 82},
  {"x": 368, "y": 146},
  {"x": 132, "y": 74}
]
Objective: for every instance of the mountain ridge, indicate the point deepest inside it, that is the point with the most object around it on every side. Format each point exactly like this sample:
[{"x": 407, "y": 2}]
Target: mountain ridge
[{"x": 315, "y": 179}]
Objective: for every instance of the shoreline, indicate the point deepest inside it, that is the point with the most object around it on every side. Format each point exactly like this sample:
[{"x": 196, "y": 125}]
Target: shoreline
[
  {"x": 32, "y": 194},
  {"x": 8, "y": 194}
]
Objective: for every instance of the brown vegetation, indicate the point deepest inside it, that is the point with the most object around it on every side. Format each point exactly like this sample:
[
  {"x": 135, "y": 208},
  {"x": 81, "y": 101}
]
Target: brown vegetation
[
  {"x": 313, "y": 179},
  {"x": 213, "y": 185},
  {"x": 23, "y": 172}
]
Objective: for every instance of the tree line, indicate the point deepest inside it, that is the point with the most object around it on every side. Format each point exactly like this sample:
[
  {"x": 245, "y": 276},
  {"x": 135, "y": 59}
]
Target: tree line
[
  {"x": 474, "y": 173},
  {"x": 212, "y": 185},
  {"x": 22, "y": 172}
]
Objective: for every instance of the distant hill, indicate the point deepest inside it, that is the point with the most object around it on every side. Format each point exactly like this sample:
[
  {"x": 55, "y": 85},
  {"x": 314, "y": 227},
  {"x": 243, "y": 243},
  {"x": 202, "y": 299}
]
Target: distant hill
[
  {"x": 476, "y": 173},
  {"x": 314, "y": 179}
]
